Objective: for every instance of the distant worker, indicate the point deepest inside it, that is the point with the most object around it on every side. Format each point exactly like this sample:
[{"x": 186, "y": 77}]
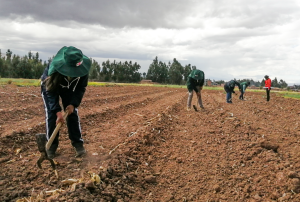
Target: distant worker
[
  {"x": 229, "y": 88},
  {"x": 195, "y": 83},
  {"x": 268, "y": 83},
  {"x": 243, "y": 85}
]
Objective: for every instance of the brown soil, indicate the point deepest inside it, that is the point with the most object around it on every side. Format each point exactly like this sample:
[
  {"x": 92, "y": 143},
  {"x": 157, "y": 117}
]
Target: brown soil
[{"x": 145, "y": 146}]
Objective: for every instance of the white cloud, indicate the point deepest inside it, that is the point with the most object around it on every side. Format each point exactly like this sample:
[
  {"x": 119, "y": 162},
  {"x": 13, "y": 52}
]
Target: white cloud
[{"x": 240, "y": 39}]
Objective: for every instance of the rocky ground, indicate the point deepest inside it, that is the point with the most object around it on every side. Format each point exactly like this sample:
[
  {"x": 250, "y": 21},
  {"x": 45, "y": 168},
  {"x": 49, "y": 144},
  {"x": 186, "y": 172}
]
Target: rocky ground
[{"x": 144, "y": 145}]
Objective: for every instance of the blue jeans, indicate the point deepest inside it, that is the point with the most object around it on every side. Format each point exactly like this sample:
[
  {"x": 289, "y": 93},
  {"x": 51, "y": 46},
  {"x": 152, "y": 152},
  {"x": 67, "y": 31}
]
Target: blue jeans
[{"x": 228, "y": 94}]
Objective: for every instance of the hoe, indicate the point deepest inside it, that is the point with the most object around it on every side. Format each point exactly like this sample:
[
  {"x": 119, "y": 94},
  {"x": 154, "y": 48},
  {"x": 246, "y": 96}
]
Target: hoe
[{"x": 43, "y": 145}]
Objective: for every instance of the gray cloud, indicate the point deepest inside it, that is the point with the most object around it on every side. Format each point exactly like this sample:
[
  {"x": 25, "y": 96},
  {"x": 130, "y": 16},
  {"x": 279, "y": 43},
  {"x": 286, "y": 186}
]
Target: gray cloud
[
  {"x": 151, "y": 14},
  {"x": 227, "y": 40},
  {"x": 117, "y": 13}
]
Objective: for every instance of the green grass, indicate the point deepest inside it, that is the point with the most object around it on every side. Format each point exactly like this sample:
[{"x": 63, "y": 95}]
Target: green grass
[
  {"x": 97, "y": 84},
  {"x": 36, "y": 82},
  {"x": 20, "y": 82},
  {"x": 107, "y": 84},
  {"x": 286, "y": 94}
]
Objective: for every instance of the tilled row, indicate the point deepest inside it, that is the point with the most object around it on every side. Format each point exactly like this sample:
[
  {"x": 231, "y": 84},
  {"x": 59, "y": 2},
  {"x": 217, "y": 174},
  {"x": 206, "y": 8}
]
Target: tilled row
[
  {"x": 229, "y": 153},
  {"x": 18, "y": 155},
  {"x": 30, "y": 114}
]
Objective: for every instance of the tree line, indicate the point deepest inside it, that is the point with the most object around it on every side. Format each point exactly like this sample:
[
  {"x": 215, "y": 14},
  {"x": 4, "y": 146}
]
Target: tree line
[
  {"x": 171, "y": 73},
  {"x": 31, "y": 66},
  {"x": 275, "y": 83},
  {"x": 13, "y": 66}
]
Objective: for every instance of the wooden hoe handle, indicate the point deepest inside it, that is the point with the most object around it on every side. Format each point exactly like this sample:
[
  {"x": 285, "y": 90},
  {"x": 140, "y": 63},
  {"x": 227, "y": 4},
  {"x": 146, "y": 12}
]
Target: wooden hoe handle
[{"x": 50, "y": 141}]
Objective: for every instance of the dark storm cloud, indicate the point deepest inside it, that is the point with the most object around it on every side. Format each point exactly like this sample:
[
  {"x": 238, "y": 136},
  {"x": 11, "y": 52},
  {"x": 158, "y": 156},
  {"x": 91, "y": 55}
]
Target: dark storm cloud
[
  {"x": 116, "y": 13},
  {"x": 177, "y": 14}
]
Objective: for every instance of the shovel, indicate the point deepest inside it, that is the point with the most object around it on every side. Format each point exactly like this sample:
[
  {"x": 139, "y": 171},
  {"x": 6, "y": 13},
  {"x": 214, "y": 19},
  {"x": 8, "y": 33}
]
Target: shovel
[{"x": 43, "y": 145}]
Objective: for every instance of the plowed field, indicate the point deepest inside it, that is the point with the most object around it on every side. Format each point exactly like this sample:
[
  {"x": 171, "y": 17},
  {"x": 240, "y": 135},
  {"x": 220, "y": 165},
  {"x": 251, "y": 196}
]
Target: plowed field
[{"x": 145, "y": 146}]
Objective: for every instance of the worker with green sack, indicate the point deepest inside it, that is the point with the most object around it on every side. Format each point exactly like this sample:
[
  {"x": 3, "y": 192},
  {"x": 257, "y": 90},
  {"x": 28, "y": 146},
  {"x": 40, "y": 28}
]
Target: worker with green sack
[
  {"x": 195, "y": 83},
  {"x": 243, "y": 87}
]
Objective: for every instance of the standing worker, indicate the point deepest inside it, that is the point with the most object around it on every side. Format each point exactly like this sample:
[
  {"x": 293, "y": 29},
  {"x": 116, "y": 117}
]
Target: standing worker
[
  {"x": 195, "y": 83},
  {"x": 229, "y": 88},
  {"x": 268, "y": 83},
  {"x": 243, "y": 85},
  {"x": 66, "y": 77}
]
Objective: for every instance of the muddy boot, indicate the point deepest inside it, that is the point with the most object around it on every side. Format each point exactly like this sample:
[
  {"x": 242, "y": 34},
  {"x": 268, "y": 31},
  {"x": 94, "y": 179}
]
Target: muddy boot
[
  {"x": 80, "y": 151},
  {"x": 195, "y": 108}
]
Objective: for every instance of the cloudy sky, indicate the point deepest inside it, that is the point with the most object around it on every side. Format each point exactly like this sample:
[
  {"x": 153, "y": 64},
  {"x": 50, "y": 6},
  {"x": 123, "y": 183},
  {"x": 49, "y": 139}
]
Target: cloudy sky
[{"x": 240, "y": 39}]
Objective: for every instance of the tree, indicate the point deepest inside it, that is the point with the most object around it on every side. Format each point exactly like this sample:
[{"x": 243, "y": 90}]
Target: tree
[
  {"x": 158, "y": 71},
  {"x": 164, "y": 70},
  {"x": 154, "y": 70},
  {"x": 262, "y": 83},
  {"x": 275, "y": 82},
  {"x": 29, "y": 55},
  {"x": 187, "y": 71},
  {"x": 95, "y": 70},
  {"x": 282, "y": 84},
  {"x": 175, "y": 72},
  {"x": 37, "y": 56},
  {"x": 106, "y": 70}
]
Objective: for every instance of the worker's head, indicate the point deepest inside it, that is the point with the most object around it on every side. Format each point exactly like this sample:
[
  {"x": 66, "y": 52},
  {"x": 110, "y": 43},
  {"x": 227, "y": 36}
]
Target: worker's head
[
  {"x": 266, "y": 76},
  {"x": 248, "y": 83},
  {"x": 70, "y": 61}
]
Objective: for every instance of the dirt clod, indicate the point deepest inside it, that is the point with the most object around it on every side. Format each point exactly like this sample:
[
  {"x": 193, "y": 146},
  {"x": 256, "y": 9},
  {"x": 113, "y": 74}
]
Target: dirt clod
[{"x": 269, "y": 145}]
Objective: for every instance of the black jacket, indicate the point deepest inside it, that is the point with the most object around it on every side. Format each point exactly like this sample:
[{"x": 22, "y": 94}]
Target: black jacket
[
  {"x": 72, "y": 91},
  {"x": 231, "y": 84}
]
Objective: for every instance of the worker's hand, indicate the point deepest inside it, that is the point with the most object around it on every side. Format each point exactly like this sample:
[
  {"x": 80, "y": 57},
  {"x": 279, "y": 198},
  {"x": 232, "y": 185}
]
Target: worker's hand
[
  {"x": 201, "y": 87},
  {"x": 198, "y": 94},
  {"x": 60, "y": 118},
  {"x": 70, "y": 109}
]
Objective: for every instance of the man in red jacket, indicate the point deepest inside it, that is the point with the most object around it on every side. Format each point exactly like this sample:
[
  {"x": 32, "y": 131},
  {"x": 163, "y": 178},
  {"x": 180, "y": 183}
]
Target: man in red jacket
[{"x": 268, "y": 86}]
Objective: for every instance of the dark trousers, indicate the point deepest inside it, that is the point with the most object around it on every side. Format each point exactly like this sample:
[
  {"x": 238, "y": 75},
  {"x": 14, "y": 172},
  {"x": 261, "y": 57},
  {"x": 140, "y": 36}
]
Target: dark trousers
[
  {"x": 268, "y": 94},
  {"x": 73, "y": 124},
  {"x": 242, "y": 95},
  {"x": 228, "y": 94}
]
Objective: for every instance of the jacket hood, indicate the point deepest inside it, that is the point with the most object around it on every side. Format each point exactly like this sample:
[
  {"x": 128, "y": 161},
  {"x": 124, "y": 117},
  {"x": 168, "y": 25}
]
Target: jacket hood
[{"x": 196, "y": 74}]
